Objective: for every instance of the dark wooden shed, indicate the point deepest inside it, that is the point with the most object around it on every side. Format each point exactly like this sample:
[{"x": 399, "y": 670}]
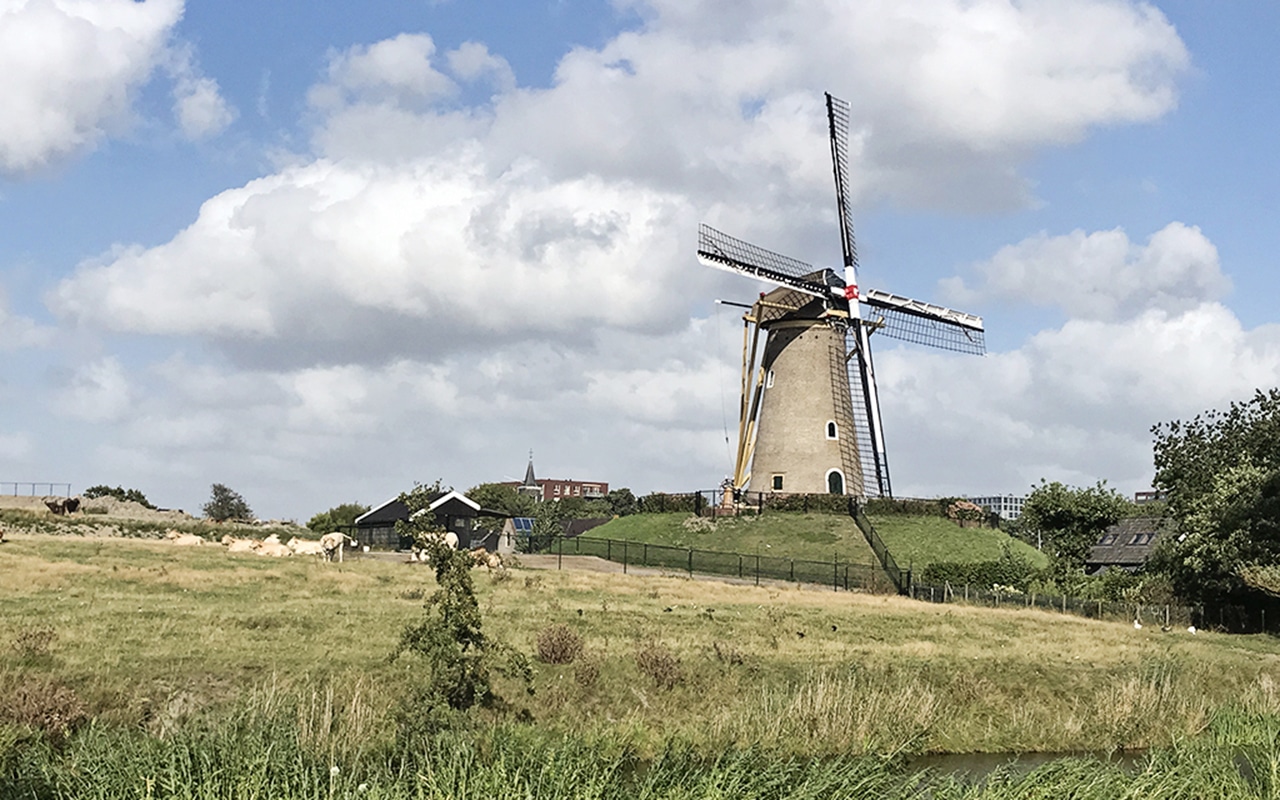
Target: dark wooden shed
[{"x": 453, "y": 511}]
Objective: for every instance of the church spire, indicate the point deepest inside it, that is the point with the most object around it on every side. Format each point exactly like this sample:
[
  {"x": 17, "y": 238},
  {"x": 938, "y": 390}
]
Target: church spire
[{"x": 529, "y": 479}]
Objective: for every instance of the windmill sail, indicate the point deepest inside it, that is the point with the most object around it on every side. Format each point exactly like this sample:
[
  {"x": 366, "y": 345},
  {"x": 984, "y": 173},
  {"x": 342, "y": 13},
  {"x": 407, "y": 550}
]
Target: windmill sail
[
  {"x": 838, "y": 124},
  {"x": 923, "y": 323},
  {"x": 720, "y": 250}
]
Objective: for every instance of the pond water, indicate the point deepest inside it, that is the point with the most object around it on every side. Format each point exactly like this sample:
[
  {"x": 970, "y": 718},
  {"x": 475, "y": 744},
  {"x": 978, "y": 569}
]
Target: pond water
[{"x": 977, "y": 766}]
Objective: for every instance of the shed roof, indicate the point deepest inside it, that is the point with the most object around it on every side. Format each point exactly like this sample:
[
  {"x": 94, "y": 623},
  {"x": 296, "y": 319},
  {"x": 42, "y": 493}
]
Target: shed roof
[{"x": 1127, "y": 544}]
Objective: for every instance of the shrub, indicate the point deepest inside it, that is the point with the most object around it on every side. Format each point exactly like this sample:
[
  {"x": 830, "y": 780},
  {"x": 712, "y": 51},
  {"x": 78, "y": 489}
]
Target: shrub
[
  {"x": 34, "y": 642},
  {"x": 660, "y": 664},
  {"x": 46, "y": 705},
  {"x": 1011, "y": 569},
  {"x": 586, "y": 673},
  {"x": 558, "y": 644}
]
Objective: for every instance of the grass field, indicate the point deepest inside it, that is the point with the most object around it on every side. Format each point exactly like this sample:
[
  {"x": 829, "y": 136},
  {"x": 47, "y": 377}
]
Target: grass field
[
  {"x": 212, "y": 675},
  {"x": 150, "y": 634}
]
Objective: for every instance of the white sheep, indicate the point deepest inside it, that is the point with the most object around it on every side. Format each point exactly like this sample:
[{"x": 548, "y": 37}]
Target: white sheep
[
  {"x": 334, "y": 543},
  {"x": 273, "y": 549},
  {"x": 183, "y": 539},
  {"x": 305, "y": 547},
  {"x": 419, "y": 553},
  {"x": 235, "y": 545}
]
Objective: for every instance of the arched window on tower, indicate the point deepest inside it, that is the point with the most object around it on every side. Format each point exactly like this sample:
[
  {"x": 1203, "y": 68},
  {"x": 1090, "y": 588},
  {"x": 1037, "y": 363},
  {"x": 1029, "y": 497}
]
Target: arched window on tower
[
  {"x": 835, "y": 482},
  {"x": 832, "y": 432}
]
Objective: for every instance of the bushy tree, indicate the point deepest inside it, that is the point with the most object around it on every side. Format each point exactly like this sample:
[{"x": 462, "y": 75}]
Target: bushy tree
[
  {"x": 1066, "y": 521},
  {"x": 622, "y": 502},
  {"x": 340, "y": 516},
  {"x": 500, "y": 497},
  {"x": 119, "y": 493},
  {"x": 226, "y": 504},
  {"x": 1220, "y": 474}
]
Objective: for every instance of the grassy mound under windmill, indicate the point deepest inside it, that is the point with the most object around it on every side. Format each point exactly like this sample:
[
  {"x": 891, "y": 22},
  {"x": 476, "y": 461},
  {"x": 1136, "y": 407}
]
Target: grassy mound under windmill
[{"x": 914, "y": 540}]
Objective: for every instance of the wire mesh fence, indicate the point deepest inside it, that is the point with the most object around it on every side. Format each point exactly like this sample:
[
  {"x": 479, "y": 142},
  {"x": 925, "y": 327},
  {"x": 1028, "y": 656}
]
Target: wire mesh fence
[
  {"x": 754, "y": 567},
  {"x": 29, "y": 488},
  {"x": 1161, "y": 615}
]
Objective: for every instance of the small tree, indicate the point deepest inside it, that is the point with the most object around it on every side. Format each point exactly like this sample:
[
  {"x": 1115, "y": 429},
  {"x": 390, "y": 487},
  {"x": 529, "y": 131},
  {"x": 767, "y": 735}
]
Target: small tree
[
  {"x": 225, "y": 504},
  {"x": 340, "y": 516},
  {"x": 460, "y": 659}
]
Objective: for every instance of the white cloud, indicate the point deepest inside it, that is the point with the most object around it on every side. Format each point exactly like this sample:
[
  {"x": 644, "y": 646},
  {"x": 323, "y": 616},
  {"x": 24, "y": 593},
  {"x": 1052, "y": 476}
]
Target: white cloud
[
  {"x": 336, "y": 254},
  {"x": 96, "y": 392},
  {"x": 18, "y": 332},
  {"x": 472, "y": 61},
  {"x": 70, "y": 68},
  {"x": 1101, "y": 275},
  {"x": 397, "y": 71},
  {"x": 198, "y": 104}
]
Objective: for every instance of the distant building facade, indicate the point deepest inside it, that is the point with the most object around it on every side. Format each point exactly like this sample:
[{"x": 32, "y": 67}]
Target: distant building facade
[
  {"x": 1007, "y": 506},
  {"x": 1142, "y": 498},
  {"x": 552, "y": 489}
]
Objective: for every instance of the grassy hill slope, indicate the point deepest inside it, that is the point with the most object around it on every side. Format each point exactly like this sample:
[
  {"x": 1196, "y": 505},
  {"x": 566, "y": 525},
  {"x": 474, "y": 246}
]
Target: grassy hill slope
[
  {"x": 919, "y": 541},
  {"x": 815, "y": 537}
]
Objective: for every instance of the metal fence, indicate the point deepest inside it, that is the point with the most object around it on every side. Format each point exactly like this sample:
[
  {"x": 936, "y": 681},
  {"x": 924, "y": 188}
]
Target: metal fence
[
  {"x": 901, "y": 581},
  {"x": 1144, "y": 613},
  {"x": 29, "y": 487},
  {"x": 1227, "y": 618},
  {"x": 753, "y": 567}
]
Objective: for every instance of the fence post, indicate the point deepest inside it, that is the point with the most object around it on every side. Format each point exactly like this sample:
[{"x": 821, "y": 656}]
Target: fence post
[
  {"x": 608, "y": 549},
  {"x": 559, "y": 552},
  {"x": 757, "y": 569},
  {"x": 739, "y": 566},
  {"x": 793, "y": 570},
  {"x": 624, "y": 556},
  {"x": 846, "y": 577},
  {"x": 966, "y": 592},
  {"x": 690, "y": 562},
  {"x": 835, "y": 564}
]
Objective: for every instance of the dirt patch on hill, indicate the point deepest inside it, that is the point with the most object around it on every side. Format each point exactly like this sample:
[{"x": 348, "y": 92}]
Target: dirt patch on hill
[{"x": 96, "y": 508}]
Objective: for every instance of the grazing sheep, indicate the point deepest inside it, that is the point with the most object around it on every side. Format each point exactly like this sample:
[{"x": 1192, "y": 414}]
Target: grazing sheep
[
  {"x": 334, "y": 543},
  {"x": 484, "y": 558},
  {"x": 305, "y": 547},
  {"x": 272, "y": 539},
  {"x": 183, "y": 539},
  {"x": 419, "y": 552}
]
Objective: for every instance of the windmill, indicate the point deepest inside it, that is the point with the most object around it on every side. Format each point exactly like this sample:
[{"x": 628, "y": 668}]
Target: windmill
[{"x": 809, "y": 417}]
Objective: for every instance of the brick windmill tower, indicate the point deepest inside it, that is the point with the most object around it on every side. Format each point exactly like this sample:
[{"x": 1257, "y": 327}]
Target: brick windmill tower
[{"x": 809, "y": 417}]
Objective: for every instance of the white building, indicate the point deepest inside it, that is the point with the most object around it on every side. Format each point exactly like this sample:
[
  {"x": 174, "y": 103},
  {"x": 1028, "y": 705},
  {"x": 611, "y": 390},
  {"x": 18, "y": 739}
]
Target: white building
[{"x": 1008, "y": 506}]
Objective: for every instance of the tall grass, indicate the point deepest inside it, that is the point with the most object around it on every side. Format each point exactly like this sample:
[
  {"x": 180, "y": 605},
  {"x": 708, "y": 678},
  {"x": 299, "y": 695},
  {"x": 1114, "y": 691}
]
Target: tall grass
[{"x": 259, "y": 752}]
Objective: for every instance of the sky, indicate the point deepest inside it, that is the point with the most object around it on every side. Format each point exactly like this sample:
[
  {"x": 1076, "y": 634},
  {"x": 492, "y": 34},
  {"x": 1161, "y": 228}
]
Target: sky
[{"x": 321, "y": 251}]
